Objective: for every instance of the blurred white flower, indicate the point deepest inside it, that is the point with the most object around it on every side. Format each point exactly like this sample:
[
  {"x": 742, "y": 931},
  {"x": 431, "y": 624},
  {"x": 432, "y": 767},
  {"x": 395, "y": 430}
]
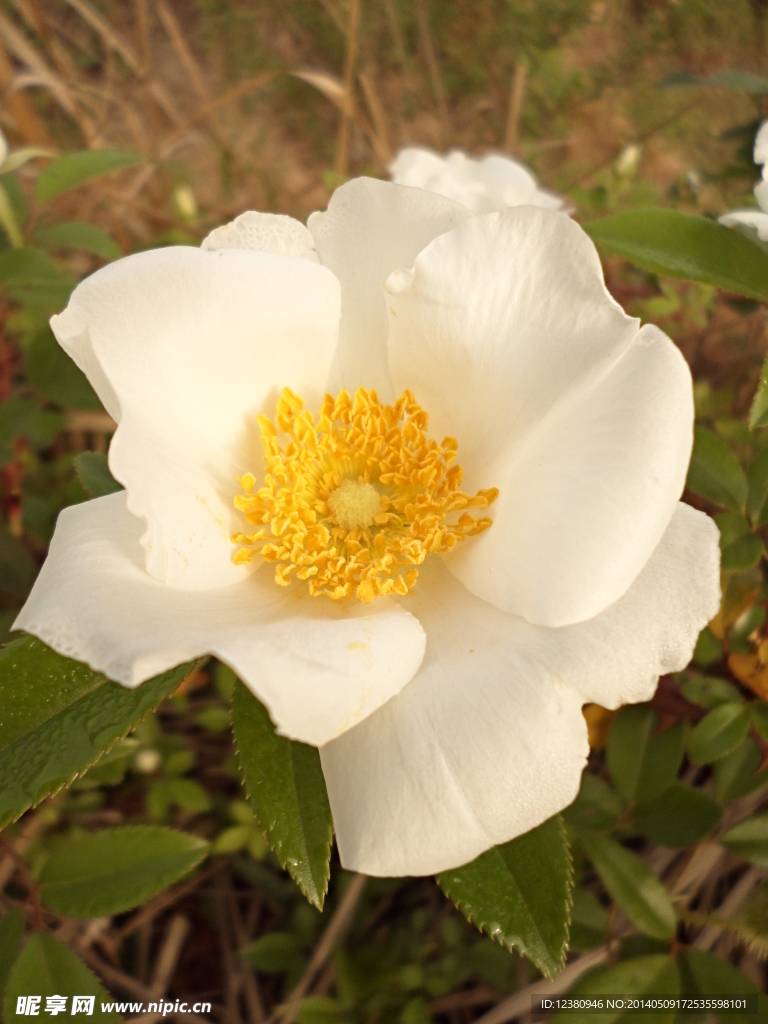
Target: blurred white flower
[
  {"x": 756, "y": 219},
  {"x": 447, "y": 709},
  {"x": 491, "y": 183},
  {"x": 628, "y": 160}
]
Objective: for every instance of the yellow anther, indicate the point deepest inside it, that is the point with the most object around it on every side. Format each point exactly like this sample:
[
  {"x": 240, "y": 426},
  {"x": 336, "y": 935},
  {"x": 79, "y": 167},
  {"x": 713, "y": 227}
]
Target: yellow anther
[{"x": 355, "y": 499}]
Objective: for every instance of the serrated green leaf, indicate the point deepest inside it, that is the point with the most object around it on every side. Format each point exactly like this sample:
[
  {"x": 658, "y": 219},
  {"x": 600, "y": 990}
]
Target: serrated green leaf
[
  {"x": 55, "y": 375},
  {"x": 631, "y": 884},
  {"x": 46, "y": 967},
  {"x": 749, "y": 839},
  {"x": 682, "y": 245},
  {"x": 11, "y": 933},
  {"x": 17, "y": 567},
  {"x": 655, "y": 975},
  {"x": 93, "y": 470},
  {"x": 59, "y": 717},
  {"x": 703, "y": 974},
  {"x": 737, "y": 773},
  {"x": 643, "y": 763},
  {"x": 285, "y": 785},
  {"x": 519, "y": 894},
  {"x": 74, "y": 169},
  {"x": 597, "y": 805},
  {"x": 709, "y": 691},
  {"x": 117, "y": 869},
  {"x": 77, "y": 234},
  {"x": 715, "y": 472},
  {"x": 273, "y": 953},
  {"x": 681, "y": 816},
  {"x": 719, "y": 733}
]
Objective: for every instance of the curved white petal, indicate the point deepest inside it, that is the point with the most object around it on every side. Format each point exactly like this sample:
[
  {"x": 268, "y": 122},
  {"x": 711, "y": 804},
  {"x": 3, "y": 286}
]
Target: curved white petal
[
  {"x": 185, "y": 347},
  {"x": 505, "y": 332},
  {"x": 264, "y": 232},
  {"x": 761, "y": 144},
  {"x": 369, "y": 229},
  {"x": 320, "y": 668},
  {"x": 488, "y": 739},
  {"x": 492, "y": 183},
  {"x": 756, "y": 219}
]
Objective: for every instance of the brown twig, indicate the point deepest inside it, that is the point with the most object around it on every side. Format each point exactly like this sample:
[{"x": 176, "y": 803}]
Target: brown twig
[
  {"x": 520, "y": 1002},
  {"x": 168, "y": 957},
  {"x": 342, "y": 149},
  {"x": 516, "y": 96},
  {"x": 422, "y": 22},
  {"x": 338, "y": 924},
  {"x": 167, "y": 899}
]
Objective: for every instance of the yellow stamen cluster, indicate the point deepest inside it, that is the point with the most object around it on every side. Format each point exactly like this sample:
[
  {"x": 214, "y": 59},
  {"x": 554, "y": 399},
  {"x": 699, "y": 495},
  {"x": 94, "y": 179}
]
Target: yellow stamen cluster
[{"x": 352, "y": 502}]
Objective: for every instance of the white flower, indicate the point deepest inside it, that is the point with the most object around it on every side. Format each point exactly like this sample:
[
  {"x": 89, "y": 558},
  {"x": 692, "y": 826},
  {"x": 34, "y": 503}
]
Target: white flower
[
  {"x": 493, "y": 183},
  {"x": 757, "y": 219},
  {"x": 450, "y": 719}
]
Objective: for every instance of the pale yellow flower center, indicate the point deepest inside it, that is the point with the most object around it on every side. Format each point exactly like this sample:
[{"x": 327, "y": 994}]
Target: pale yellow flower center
[{"x": 353, "y": 502}]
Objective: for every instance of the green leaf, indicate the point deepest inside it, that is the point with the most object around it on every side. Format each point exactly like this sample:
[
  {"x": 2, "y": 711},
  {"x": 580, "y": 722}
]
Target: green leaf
[
  {"x": 749, "y": 839},
  {"x": 93, "y": 470},
  {"x": 55, "y": 375},
  {"x": 597, "y": 805},
  {"x": 682, "y": 245},
  {"x": 703, "y": 974},
  {"x": 715, "y": 472},
  {"x": 758, "y": 714},
  {"x": 737, "y": 774},
  {"x": 8, "y": 220},
  {"x": 719, "y": 733},
  {"x": 589, "y": 922},
  {"x": 654, "y": 975},
  {"x": 758, "y": 417},
  {"x": 29, "y": 277},
  {"x": 273, "y": 953},
  {"x": 46, "y": 967},
  {"x": 184, "y": 793},
  {"x": 77, "y": 234},
  {"x": 681, "y": 816},
  {"x": 11, "y": 933},
  {"x": 743, "y": 553},
  {"x": 59, "y": 717},
  {"x": 285, "y": 785},
  {"x": 520, "y": 894},
  {"x": 17, "y": 567},
  {"x": 117, "y": 869},
  {"x": 709, "y": 691},
  {"x": 631, "y": 884},
  {"x": 326, "y": 1010},
  {"x": 643, "y": 762},
  {"x": 75, "y": 169},
  {"x": 757, "y": 477},
  {"x": 708, "y": 648}
]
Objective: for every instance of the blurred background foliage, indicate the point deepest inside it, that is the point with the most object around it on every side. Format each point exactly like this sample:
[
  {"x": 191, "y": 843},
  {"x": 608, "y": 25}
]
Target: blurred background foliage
[{"x": 147, "y": 123}]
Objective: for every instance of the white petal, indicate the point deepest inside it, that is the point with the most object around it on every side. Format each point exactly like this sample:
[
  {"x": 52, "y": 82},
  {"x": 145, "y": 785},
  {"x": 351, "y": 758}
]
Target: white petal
[
  {"x": 185, "y": 347},
  {"x": 488, "y": 739},
  {"x": 369, "y": 229},
  {"x": 320, "y": 668},
  {"x": 510, "y": 183},
  {"x": 756, "y": 219},
  {"x": 761, "y": 144},
  {"x": 264, "y": 232},
  {"x": 507, "y": 336}
]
